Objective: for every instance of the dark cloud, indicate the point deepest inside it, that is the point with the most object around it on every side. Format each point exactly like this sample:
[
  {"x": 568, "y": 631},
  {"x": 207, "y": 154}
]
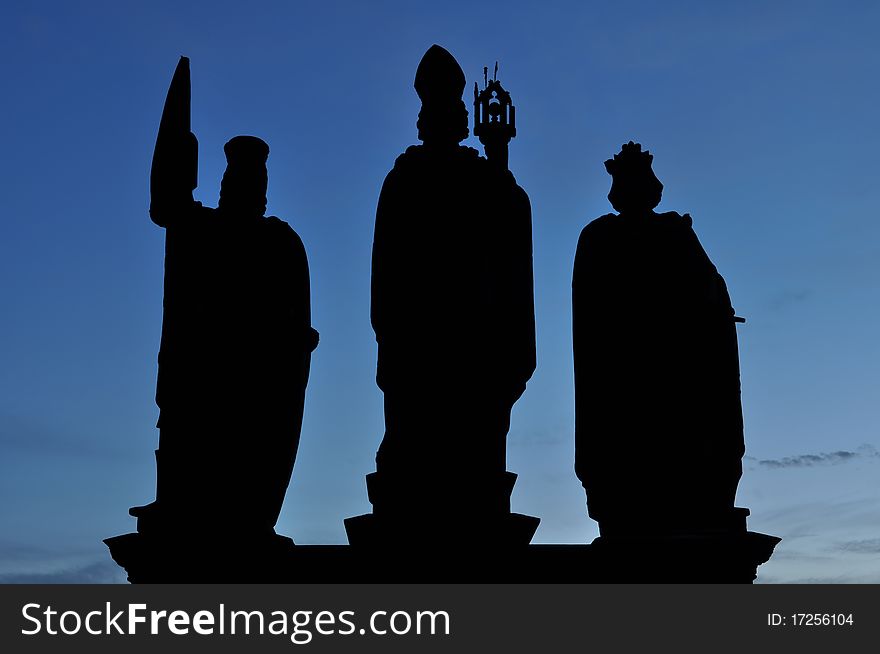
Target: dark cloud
[
  {"x": 787, "y": 298},
  {"x": 17, "y": 553},
  {"x": 823, "y": 458},
  {"x": 552, "y": 435},
  {"x": 30, "y": 436},
  {"x": 101, "y": 572}
]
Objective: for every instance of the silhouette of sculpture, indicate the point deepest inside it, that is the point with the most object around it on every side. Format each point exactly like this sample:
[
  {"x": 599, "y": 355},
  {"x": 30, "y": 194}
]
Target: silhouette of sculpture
[
  {"x": 659, "y": 427},
  {"x": 659, "y": 421},
  {"x": 236, "y": 340},
  {"x": 453, "y": 312}
]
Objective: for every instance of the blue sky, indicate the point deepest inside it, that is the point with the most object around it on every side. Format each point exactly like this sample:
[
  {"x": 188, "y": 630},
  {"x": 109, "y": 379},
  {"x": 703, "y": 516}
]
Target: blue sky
[{"x": 762, "y": 120}]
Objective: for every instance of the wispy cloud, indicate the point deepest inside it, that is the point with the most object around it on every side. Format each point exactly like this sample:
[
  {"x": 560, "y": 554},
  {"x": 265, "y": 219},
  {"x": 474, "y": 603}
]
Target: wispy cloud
[
  {"x": 871, "y": 578},
  {"x": 867, "y": 546},
  {"x": 823, "y": 458},
  {"x": 826, "y": 514},
  {"x": 782, "y": 554},
  {"x": 100, "y": 572}
]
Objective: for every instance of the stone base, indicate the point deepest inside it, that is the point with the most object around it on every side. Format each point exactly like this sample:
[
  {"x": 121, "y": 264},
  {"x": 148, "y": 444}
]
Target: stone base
[
  {"x": 441, "y": 512},
  {"x": 729, "y": 559},
  {"x": 203, "y": 558},
  {"x": 706, "y": 558},
  {"x": 371, "y": 531}
]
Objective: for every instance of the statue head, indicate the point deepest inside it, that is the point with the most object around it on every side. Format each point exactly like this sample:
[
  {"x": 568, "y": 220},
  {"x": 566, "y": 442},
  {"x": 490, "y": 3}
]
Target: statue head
[
  {"x": 634, "y": 188},
  {"x": 243, "y": 189},
  {"x": 440, "y": 83}
]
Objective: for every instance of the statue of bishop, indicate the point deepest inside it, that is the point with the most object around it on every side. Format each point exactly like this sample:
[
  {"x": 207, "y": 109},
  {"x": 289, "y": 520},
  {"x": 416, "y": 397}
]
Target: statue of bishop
[{"x": 453, "y": 312}]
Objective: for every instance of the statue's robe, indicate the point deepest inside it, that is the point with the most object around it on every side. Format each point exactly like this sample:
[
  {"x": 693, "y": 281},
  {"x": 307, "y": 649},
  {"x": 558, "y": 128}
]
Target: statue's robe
[
  {"x": 233, "y": 367},
  {"x": 453, "y": 312},
  {"x": 659, "y": 428}
]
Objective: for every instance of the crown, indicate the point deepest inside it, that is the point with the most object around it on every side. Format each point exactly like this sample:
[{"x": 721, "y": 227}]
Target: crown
[
  {"x": 635, "y": 187},
  {"x": 439, "y": 78},
  {"x": 630, "y": 159}
]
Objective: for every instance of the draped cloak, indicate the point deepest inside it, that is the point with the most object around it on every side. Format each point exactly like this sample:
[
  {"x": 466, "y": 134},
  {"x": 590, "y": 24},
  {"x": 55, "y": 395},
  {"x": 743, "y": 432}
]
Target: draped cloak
[
  {"x": 453, "y": 312},
  {"x": 233, "y": 365},
  {"x": 659, "y": 427}
]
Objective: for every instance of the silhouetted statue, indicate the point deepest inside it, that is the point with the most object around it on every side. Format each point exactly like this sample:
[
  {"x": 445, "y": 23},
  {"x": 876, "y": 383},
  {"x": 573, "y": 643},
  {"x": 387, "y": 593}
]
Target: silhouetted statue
[
  {"x": 236, "y": 340},
  {"x": 659, "y": 427},
  {"x": 453, "y": 312}
]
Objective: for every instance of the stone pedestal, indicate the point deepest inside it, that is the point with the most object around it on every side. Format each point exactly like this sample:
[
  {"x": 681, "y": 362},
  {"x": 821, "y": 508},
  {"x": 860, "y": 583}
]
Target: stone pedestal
[
  {"x": 444, "y": 546},
  {"x": 201, "y": 558},
  {"x": 649, "y": 560},
  {"x": 708, "y": 558},
  {"x": 179, "y": 547},
  {"x": 439, "y": 514},
  {"x": 666, "y": 545}
]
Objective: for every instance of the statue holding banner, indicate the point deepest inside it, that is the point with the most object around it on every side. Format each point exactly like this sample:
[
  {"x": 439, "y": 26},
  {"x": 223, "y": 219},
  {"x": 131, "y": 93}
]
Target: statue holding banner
[{"x": 236, "y": 340}]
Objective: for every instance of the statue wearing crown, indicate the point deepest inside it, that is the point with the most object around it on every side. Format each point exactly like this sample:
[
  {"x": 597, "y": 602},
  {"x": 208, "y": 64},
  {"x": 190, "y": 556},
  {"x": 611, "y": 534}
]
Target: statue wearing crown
[
  {"x": 659, "y": 425},
  {"x": 453, "y": 312},
  {"x": 236, "y": 341}
]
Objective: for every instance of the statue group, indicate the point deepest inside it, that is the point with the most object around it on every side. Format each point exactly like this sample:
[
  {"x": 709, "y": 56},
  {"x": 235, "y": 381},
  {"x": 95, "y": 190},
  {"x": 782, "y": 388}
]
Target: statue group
[{"x": 659, "y": 428}]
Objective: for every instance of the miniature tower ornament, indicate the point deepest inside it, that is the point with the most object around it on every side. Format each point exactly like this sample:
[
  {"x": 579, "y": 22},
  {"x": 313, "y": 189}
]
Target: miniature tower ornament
[{"x": 494, "y": 117}]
